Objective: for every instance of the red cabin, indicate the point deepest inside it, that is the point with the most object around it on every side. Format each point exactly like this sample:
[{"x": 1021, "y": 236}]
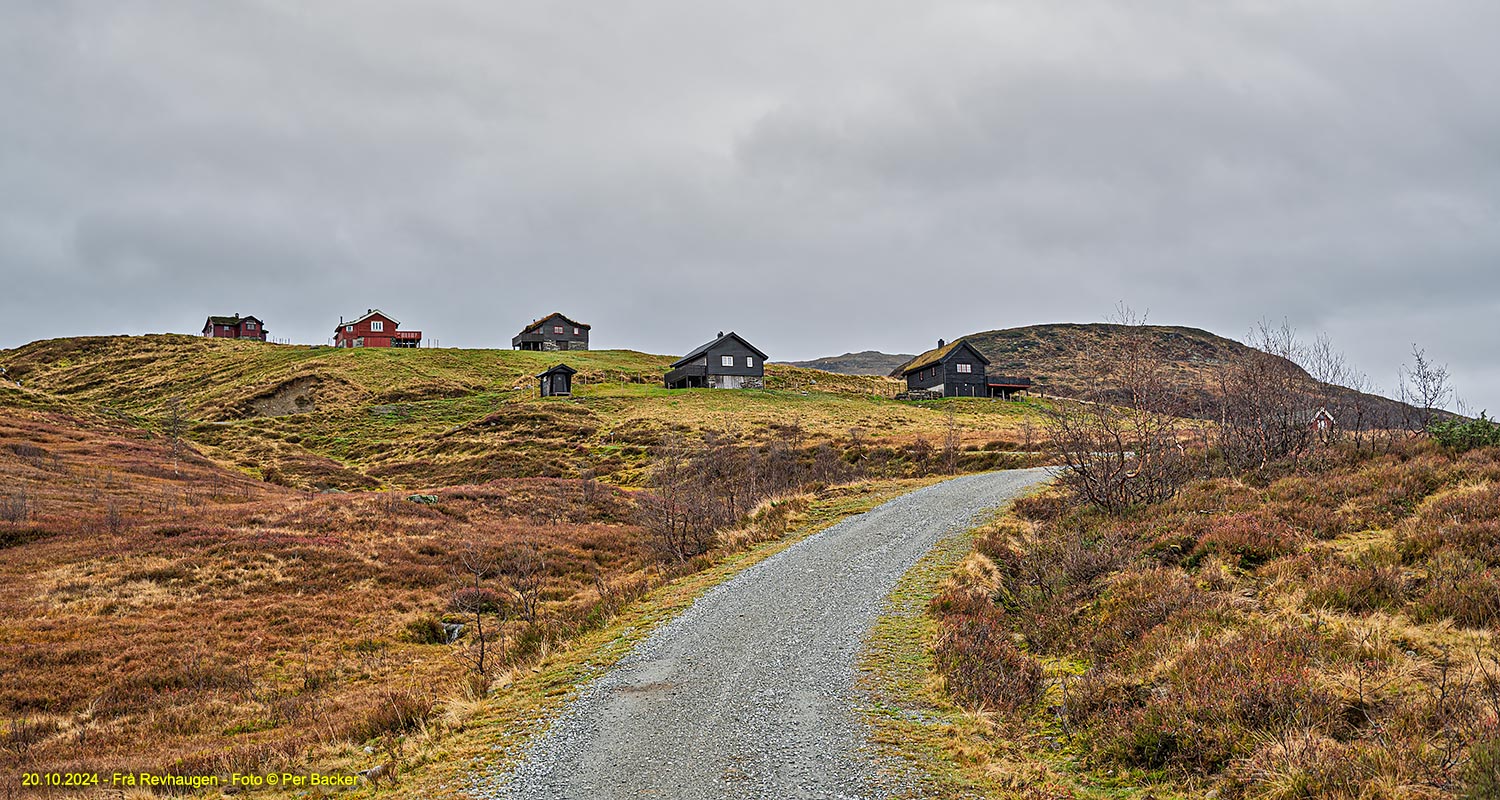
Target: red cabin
[
  {"x": 374, "y": 329},
  {"x": 235, "y": 327}
]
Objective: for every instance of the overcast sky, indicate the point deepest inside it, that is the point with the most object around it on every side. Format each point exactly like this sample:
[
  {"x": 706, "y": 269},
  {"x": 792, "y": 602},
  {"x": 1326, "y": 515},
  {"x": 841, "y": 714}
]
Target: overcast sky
[{"x": 821, "y": 177}]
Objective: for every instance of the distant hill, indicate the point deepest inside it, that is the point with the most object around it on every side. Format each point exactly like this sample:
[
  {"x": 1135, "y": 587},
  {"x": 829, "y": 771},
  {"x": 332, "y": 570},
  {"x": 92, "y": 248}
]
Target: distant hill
[
  {"x": 1064, "y": 359},
  {"x": 867, "y": 362}
]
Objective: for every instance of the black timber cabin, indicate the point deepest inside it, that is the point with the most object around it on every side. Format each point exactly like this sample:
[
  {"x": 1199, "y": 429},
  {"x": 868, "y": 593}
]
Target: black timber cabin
[
  {"x": 552, "y": 332},
  {"x": 557, "y": 382},
  {"x": 728, "y": 362},
  {"x": 957, "y": 370}
]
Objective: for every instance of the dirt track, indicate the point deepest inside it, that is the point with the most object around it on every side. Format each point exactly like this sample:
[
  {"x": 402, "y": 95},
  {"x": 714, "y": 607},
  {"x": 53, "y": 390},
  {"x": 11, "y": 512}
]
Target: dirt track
[{"x": 750, "y": 693}]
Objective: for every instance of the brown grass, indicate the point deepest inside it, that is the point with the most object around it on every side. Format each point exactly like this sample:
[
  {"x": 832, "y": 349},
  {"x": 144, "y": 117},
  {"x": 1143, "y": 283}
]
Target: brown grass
[{"x": 1326, "y": 634}]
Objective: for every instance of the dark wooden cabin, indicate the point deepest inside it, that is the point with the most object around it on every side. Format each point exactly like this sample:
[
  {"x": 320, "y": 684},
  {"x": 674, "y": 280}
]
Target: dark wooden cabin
[
  {"x": 958, "y": 370},
  {"x": 552, "y": 332},
  {"x": 727, "y": 362},
  {"x": 949, "y": 370},
  {"x": 558, "y": 381}
]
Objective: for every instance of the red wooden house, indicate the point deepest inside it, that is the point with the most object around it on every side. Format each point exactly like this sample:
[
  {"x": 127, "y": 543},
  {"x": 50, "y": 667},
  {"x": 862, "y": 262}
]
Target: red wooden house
[
  {"x": 235, "y": 327},
  {"x": 374, "y": 329}
]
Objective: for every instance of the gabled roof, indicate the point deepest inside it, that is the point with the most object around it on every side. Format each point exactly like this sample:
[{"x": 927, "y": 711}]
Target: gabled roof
[
  {"x": 234, "y": 320},
  {"x": 703, "y": 348},
  {"x": 374, "y": 312},
  {"x": 564, "y": 368},
  {"x": 939, "y": 355},
  {"x": 536, "y": 323},
  {"x": 1307, "y": 415}
]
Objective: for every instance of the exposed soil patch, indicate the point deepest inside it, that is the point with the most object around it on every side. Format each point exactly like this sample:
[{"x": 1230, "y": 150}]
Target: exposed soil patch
[{"x": 296, "y": 396}]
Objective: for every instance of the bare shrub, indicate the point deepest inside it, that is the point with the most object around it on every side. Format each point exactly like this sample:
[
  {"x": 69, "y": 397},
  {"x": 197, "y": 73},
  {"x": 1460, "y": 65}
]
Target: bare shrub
[
  {"x": 15, "y": 505},
  {"x": 1266, "y": 404},
  {"x": 983, "y": 668},
  {"x": 524, "y": 572},
  {"x": 393, "y": 712},
  {"x": 1123, "y": 450}
]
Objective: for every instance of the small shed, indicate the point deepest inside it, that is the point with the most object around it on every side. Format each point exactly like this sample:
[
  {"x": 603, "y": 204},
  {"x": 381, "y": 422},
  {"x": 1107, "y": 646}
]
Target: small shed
[{"x": 558, "y": 381}]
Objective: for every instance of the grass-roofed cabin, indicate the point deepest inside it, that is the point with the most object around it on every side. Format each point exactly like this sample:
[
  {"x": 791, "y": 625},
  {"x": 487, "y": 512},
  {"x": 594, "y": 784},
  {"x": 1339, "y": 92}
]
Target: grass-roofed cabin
[
  {"x": 728, "y": 362},
  {"x": 948, "y": 370},
  {"x": 552, "y": 332}
]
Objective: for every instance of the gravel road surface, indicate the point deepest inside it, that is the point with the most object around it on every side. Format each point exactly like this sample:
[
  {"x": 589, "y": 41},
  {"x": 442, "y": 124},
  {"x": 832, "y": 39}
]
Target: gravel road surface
[{"x": 750, "y": 692}]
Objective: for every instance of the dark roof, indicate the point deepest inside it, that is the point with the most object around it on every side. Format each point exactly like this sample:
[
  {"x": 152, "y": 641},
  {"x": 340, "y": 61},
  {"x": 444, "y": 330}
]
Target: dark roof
[
  {"x": 559, "y": 368},
  {"x": 537, "y": 322},
  {"x": 234, "y": 320},
  {"x": 1006, "y": 381},
  {"x": 939, "y": 355},
  {"x": 703, "y": 348}
]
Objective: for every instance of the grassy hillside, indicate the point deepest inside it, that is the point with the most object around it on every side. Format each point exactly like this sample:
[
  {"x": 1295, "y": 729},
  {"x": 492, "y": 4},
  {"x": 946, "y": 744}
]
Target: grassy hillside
[
  {"x": 161, "y": 612},
  {"x": 321, "y": 417},
  {"x": 866, "y": 362},
  {"x": 1327, "y": 634},
  {"x": 1064, "y": 360}
]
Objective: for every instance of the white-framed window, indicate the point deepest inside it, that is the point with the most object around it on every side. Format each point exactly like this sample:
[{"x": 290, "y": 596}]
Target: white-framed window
[
  {"x": 577, "y": 331},
  {"x": 750, "y": 361},
  {"x": 249, "y": 326},
  {"x": 965, "y": 368},
  {"x": 557, "y": 329},
  {"x": 348, "y": 329},
  {"x": 377, "y": 325},
  {"x": 726, "y": 361}
]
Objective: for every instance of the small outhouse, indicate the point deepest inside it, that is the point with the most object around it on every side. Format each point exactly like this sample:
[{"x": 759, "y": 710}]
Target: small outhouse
[{"x": 558, "y": 381}]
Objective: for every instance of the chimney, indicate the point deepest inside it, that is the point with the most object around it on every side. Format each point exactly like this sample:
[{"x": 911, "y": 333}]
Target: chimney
[
  {"x": 721, "y": 334},
  {"x": 369, "y": 310},
  {"x": 941, "y": 343}
]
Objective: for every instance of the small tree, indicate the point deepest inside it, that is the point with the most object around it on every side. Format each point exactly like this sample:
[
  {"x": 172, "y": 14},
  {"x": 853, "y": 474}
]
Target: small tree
[
  {"x": 474, "y": 600},
  {"x": 1122, "y": 447},
  {"x": 524, "y": 570},
  {"x": 1425, "y": 385},
  {"x": 952, "y": 440}
]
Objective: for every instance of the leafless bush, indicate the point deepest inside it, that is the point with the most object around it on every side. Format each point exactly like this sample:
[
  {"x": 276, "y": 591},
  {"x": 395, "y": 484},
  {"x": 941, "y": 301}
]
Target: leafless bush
[
  {"x": 951, "y": 442},
  {"x": 15, "y": 505},
  {"x": 701, "y": 486},
  {"x": 524, "y": 572},
  {"x": 1426, "y": 386},
  {"x": 474, "y": 601},
  {"x": 1266, "y": 403},
  {"x": 1123, "y": 450}
]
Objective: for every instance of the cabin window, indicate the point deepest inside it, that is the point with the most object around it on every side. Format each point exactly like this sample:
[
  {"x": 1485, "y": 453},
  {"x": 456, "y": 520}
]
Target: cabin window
[
  {"x": 726, "y": 361},
  {"x": 577, "y": 331},
  {"x": 249, "y": 326},
  {"x": 348, "y": 329},
  {"x": 965, "y": 368},
  {"x": 750, "y": 361},
  {"x": 377, "y": 325},
  {"x": 557, "y": 329}
]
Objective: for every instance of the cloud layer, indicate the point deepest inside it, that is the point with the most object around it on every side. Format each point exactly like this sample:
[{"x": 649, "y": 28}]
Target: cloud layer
[{"x": 821, "y": 177}]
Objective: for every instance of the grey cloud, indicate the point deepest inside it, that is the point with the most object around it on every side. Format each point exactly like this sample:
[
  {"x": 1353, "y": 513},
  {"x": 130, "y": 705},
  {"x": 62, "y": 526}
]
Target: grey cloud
[{"x": 794, "y": 171}]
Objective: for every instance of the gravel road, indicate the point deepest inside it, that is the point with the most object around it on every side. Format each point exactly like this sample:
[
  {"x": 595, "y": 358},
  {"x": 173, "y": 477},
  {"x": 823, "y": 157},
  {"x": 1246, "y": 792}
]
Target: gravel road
[{"x": 750, "y": 692}]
